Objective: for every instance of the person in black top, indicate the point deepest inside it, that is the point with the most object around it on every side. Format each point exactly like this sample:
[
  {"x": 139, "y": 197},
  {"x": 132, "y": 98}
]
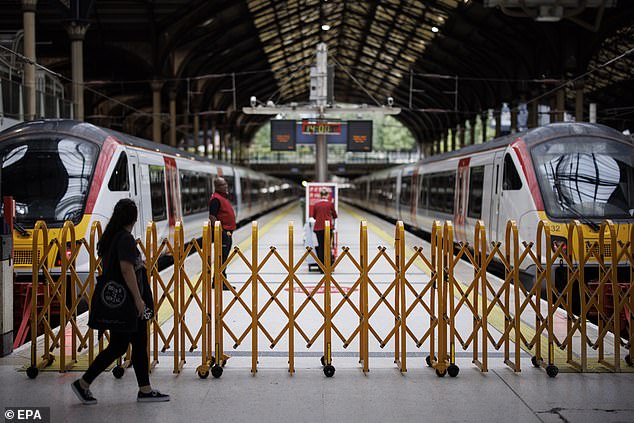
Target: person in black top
[{"x": 119, "y": 254}]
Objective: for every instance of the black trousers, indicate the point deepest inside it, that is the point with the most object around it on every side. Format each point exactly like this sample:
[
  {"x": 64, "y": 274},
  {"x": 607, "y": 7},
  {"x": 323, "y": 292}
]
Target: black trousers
[
  {"x": 321, "y": 248},
  {"x": 118, "y": 346},
  {"x": 227, "y": 243}
]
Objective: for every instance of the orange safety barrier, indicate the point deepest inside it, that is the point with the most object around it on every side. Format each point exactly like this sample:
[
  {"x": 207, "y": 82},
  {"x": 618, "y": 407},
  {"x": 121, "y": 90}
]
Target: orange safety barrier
[{"x": 425, "y": 309}]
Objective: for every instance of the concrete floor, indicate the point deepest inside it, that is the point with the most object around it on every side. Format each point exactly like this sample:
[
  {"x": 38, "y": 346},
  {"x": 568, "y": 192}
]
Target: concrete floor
[{"x": 383, "y": 395}]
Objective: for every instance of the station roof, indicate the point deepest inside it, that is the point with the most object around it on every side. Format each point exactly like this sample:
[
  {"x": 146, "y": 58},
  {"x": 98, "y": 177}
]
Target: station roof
[{"x": 443, "y": 61}]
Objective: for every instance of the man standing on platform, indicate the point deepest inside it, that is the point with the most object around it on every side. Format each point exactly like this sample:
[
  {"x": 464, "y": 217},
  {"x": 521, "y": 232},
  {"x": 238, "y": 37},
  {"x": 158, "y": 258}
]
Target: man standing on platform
[
  {"x": 220, "y": 209},
  {"x": 323, "y": 210}
]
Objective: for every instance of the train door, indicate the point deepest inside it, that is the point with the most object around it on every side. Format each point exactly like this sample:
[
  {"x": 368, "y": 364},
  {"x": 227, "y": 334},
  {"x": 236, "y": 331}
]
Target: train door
[
  {"x": 173, "y": 194},
  {"x": 462, "y": 192},
  {"x": 398, "y": 209},
  {"x": 145, "y": 195},
  {"x": 238, "y": 192},
  {"x": 413, "y": 198},
  {"x": 135, "y": 191},
  {"x": 496, "y": 190}
]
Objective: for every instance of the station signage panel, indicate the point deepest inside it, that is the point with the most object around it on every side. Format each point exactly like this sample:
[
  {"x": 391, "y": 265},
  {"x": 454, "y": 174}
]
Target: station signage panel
[
  {"x": 321, "y": 128},
  {"x": 359, "y": 135},
  {"x": 306, "y": 132},
  {"x": 283, "y": 135}
]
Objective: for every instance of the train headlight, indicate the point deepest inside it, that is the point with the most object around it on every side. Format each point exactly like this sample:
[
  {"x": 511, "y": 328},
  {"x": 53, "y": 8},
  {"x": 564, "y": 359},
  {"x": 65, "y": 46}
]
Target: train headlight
[{"x": 559, "y": 241}]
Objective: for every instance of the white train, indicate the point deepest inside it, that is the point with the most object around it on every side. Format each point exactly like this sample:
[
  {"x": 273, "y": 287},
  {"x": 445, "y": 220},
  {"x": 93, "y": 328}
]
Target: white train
[
  {"x": 557, "y": 173},
  {"x": 59, "y": 170}
]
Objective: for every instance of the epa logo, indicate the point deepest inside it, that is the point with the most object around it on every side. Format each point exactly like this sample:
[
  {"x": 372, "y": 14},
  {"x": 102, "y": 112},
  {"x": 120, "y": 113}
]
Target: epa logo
[{"x": 27, "y": 414}]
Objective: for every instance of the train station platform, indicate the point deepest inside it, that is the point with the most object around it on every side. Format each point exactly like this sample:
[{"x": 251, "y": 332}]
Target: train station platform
[{"x": 389, "y": 391}]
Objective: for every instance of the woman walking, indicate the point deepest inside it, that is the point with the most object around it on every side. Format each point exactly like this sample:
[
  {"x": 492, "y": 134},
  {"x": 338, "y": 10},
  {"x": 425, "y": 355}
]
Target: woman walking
[{"x": 119, "y": 254}]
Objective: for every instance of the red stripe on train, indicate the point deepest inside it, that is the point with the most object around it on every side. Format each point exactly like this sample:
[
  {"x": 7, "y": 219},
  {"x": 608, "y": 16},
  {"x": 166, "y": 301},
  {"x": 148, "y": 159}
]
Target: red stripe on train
[
  {"x": 529, "y": 171},
  {"x": 105, "y": 157}
]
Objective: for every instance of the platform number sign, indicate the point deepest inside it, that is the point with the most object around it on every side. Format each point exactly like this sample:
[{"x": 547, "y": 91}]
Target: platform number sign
[
  {"x": 359, "y": 135},
  {"x": 283, "y": 135}
]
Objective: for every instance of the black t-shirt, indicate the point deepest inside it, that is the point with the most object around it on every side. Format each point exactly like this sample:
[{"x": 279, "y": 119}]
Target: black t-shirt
[
  {"x": 122, "y": 249},
  {"x": 214, "y": 206}
]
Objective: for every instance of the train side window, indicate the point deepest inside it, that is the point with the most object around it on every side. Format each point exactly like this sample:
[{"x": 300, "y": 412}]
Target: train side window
[
  {"x": 450, "y": 192},
  {"x": 476, "y": 182},
  {"x": 512, "y": 181},
  {"x": 433, "y": 194},
  {"x": 424, "y": 191},
  {"x": 391, "y": 189},
  {"x": 406, "y": 187},
  {"x": 119, "y": 180},
  {"x": 186, "y": 192},
  {"x": 134, "y": 178},
  {"x": 157, "y": 193}
]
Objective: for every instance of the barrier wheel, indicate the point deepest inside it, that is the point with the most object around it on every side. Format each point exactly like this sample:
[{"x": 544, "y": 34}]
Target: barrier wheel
[
  {"x": 202, "y": 373},
  {"x": 628, "y": 360},
  {"x": 323, "y": 360},
  {"x": 552, "y": 370},
  {"x": 441, "y": 373},
  {"x": 428, "y": 360},
  {"x": 216, "y": 371},
  {"x": 329, "y": 370},
  {"x": 118, "y": 372},
  {"x": 32, "y": 372},
  {"x": 453, "y": 370},
  {"x": 534, "y": 361},
  {"x": 223, "y": 363}
]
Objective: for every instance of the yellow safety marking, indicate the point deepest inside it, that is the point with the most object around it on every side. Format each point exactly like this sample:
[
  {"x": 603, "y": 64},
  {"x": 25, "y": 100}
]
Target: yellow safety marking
[
  {"x": 496, "y": 316},
  {"x": 247, "y": 241}
]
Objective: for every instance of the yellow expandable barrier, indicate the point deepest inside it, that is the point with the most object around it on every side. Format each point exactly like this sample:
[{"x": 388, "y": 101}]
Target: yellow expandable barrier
[{"x": 425, "y": 310}]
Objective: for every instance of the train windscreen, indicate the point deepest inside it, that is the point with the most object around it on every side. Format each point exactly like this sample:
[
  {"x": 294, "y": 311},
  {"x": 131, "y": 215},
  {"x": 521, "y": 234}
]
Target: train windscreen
[
  {"x": 49, "y": 178},
  {"x": 586, "y": 178}
]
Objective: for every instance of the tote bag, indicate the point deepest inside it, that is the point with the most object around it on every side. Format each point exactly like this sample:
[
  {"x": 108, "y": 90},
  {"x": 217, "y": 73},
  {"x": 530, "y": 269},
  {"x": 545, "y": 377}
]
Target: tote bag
[{"x": 112, "y": 306}]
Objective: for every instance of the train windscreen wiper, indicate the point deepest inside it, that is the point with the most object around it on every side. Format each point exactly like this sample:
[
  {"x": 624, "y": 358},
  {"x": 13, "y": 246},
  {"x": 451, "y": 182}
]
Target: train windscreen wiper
[
  {"x": 564, "y": 203},
  {"x": 18, "y": 227}
]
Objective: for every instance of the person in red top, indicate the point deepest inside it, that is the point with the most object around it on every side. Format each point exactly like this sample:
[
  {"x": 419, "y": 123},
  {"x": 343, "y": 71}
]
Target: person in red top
[
  {"x": 323, "y": 210},
  {"x": 221, "y": 209}
]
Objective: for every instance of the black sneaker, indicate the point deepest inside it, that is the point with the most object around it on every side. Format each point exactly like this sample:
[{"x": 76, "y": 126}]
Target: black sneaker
[
  {"x": 84, "y": 395},
  {"x": 154, "y": 396}
]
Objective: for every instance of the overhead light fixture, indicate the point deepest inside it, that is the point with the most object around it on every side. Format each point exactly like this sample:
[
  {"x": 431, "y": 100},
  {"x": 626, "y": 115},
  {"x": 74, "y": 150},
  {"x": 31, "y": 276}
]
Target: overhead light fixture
[
  {"x": 207, "y": 22},
  {"x": 325, "y": 27},
  {"x": 434, "y": 29}
]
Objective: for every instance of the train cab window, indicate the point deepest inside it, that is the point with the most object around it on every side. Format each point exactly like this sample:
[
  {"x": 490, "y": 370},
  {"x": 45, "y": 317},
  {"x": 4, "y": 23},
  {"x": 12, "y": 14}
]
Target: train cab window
[
  {"x": 476, "y": 182},
  {"x": 49, "y": 178},
  {"x": 157, "y": 193},
  {"x": 119, "y": 180},
  {"x": 512, "y": 181}
]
